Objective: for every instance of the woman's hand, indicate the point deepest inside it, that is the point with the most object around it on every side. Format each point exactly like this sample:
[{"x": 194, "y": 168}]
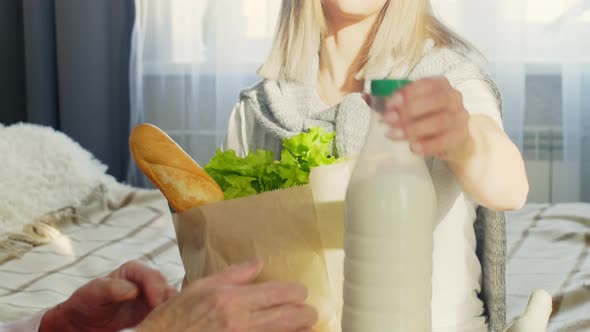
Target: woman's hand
[
  {"x": 108, "y": 304},
  {"x": 228, "y": 302},
  {"x": 430, "y": 114},
  {"x": 222, "y": 302}
]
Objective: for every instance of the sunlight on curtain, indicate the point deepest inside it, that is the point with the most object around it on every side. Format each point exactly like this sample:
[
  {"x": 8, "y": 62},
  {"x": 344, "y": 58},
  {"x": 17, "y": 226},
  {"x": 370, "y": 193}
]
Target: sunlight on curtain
[
  {"x": 539, "y": 54},
  {"x": 192, "y": 57}
]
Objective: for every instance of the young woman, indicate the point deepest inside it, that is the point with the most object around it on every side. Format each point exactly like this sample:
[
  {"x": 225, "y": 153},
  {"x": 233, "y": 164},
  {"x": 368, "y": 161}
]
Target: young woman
[{"x": 324, "y": 55}]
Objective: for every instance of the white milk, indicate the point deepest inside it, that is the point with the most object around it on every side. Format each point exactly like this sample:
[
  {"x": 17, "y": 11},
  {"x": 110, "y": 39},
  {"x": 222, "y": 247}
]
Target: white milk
[
  {"x": 388, "y": 245},
  {"x": 389, "y": 220}
]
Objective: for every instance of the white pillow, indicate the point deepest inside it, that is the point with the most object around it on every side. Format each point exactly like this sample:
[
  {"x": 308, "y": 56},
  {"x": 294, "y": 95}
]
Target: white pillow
[{"x": 41, "y": 171}]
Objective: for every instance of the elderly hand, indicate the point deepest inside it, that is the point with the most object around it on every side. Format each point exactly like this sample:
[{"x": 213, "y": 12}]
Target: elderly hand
[
  {"x": 227, "y": 302},
  {"x": 118, "y": 301},
  {"x": 430, "y": 114}
]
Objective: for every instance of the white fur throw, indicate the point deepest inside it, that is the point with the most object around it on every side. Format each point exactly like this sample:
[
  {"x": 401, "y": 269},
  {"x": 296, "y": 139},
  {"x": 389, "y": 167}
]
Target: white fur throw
[{"x": 41, "y": 172}]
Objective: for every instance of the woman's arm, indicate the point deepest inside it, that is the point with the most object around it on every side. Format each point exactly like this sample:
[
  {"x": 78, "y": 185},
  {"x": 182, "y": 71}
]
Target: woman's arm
[
  {"x": 462, "y": 127},
  {"x": 490, "y": 167}
]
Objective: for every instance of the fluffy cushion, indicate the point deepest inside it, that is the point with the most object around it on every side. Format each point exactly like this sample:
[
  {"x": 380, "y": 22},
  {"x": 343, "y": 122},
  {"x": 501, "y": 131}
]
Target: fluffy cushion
[{"x": 43, "y": 170}]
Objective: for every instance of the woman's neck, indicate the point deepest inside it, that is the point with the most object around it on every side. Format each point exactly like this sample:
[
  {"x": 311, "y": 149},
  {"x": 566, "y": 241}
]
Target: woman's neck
[{"x": 341, "y": 57}]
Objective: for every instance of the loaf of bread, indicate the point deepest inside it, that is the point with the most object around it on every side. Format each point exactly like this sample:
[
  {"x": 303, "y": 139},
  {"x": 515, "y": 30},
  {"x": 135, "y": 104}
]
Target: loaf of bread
[{"x": 182, "y": 181}]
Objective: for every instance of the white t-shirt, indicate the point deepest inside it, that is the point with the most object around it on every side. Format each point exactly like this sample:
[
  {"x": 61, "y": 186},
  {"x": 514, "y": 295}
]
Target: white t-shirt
[{"x": 456, "y": 269}]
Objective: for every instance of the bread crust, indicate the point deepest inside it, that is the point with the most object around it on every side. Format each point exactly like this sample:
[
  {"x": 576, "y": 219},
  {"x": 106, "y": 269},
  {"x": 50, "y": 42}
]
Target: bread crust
[{"x": 182, "y": 181}]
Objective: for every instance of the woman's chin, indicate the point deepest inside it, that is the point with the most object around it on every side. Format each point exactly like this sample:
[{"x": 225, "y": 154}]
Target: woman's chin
[{"x": 353, "y": 10}]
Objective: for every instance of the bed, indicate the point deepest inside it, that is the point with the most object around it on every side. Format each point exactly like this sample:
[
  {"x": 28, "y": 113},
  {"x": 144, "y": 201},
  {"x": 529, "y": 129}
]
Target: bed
[
  {"x": 103, "y": 224},
  {"x": 128, "y": 224},
  {"x": 65, "y": 221},
  {"x": 547, "y": 248}
]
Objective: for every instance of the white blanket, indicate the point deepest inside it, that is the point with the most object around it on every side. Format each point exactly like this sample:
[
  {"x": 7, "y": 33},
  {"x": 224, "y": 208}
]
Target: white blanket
[
  {"x": 548, "y": 248},
  {"x": 134, "y": 224},
  {"x": 54, "y": 192},
  {"x": 43, "y": 171}
]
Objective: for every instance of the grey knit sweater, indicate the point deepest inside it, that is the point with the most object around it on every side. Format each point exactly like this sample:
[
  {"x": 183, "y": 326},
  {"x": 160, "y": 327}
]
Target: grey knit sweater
[{"x": 283, "y": 109}]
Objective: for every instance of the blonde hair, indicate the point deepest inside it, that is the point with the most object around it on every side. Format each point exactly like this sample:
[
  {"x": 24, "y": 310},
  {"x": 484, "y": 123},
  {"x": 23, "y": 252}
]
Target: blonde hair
[{"x": 400, "y": 31}]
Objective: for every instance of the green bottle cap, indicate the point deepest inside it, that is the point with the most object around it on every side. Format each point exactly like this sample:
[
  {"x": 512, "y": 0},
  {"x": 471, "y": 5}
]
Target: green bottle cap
[{"x": 385, "y": 88}]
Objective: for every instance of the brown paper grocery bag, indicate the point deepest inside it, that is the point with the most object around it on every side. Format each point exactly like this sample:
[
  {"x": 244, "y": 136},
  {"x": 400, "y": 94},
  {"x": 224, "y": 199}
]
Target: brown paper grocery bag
[{"x": 298, "y": 236}]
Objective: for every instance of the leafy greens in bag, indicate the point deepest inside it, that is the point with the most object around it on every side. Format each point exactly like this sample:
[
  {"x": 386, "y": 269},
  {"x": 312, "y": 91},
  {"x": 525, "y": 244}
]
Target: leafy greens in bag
[{"x": 259, "y": 172}]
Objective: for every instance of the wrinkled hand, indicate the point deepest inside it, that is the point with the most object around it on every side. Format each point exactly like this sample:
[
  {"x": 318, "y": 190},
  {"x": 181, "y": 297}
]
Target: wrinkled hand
[
  {"x": 227, "y": 302},
  {"x": 430, "y": 114},
  {"x": 118, "y": 301}
]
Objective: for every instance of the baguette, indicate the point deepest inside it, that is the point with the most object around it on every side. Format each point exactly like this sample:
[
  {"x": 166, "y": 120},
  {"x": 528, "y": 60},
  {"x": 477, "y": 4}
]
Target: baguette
[{"x": 182, "y": 181}]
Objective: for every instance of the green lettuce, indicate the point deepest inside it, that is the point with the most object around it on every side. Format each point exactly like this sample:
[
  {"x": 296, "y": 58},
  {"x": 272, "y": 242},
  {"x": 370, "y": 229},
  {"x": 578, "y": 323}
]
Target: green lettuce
[{"x": 259, "y": 172}]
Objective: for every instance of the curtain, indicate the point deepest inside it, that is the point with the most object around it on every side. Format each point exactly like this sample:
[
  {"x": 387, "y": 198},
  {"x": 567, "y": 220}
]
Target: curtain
[
  {"x": 539, "y": 54},
  {"x": 65, "y": 64},
  {"x": 191, "y": 58}
]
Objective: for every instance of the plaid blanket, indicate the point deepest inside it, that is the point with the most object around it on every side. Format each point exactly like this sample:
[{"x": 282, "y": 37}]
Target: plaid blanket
[
  {"x": 548, "y": 248},
  {"x": 133, "y": 224}
]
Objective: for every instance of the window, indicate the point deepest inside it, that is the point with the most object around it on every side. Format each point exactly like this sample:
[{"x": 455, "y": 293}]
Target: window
[
  {"x": 198, "y": 54},
  {"x": 184, "y": 33}
]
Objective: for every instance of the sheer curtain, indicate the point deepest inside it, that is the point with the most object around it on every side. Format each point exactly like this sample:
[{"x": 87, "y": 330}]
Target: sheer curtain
[
  {"x": 191, "y": 58},
  {"x": 539, "y": 53}
]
